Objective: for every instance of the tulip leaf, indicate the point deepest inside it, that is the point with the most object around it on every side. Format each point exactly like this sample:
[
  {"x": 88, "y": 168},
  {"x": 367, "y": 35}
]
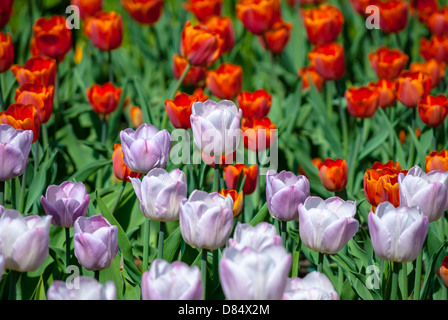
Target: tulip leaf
[
  {"x": 260, "y": 216},
  {"x": 430, "y": 271},
  {"x": 172, "y": 245},
  {"x": 84, "y": 173},
  {"x": 373, "y": 144}
]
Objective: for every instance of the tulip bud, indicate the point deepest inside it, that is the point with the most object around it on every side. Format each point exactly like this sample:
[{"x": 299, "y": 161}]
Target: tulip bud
[
  {"x": 433, "y": 110},
  {"x": 136, "y": 114},
  {"x": 195, "y": 76},
  {"x": 6, "y": 7},
  {"x": 437, "y": 161},
  {"x": 232, "y": 174},
  {"x": 393, "y": 15},
  {"x": 310, "y": 73},
  {"x": 435, "y": 48},
  {"x": 104, "y": 99},
  {"x": 23, "y": 117},
  {"x": 362, "y": 102},
  {"x": 96, "y": 242},
  {"x": 323, "y": 24},
  {"x": 224, "y": 27},
  {"x": 225, "y": 82},
  {"x": 179, "y": 109},
  {"x": 88, "y": 8},
  {"x": 6, "y": 52},
  {"x": 314, "y": 286},
  {"x": 437, "y": 21},
  {"x": 388, "y": 63},
  {"x": 277, "y": 37},
  {"x": 89, "y": 289},
  {"x": 121, "y": 171},
  {"x": 333, "y": 174},
  {"x": 386, "y": 90},
  {"x": 203, "y": 10},
  {"x": 37, "y": 70},
  {"x": 257, "y": 237},
  {"x": 442, "y": 272},
  {"x": 39, "y": 96},
  {"x": 328, "y": 60},
  {"x": 175, "y": 281},
  {"x": 258, "y": 134},
  {"x": 257, "y": 16},
  {"x": 413, "y": 86},
  {"x": 105, "y": 30},
  {"x": 255, "y": 104},
  {"x": 145, "y": 12},
  {"x": 435, "y": 70}
]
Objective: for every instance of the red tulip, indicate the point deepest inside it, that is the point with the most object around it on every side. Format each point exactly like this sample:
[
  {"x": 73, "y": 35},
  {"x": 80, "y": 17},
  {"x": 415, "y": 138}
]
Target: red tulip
[
  {"x": 20, "y": 116},
  {"x": 6, "y": 52},
  {"x": 433, "y": 110},
  {"x": 37, "y": 70},
  {"x": 146, "y": 12},
  {"x": 362, "y": 102},
  {"x": 323, "y": 24},
  {"x": 328, "y": 60},
  {"x": 104, "y": 98},
  {"x": 52, "y": 37},
  {"x": 105, "y": 30},
  {"x": 388, "y": 63},
  {"x": 226, "y": 81},
  {"x": 204, "y": 9},
  {"x": 255, "y": 104},
  {"x": 39, "y": 96}
]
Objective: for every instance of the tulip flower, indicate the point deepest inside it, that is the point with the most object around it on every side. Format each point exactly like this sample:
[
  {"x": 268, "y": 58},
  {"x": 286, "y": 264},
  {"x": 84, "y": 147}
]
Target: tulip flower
[
  {"x": 104, "y": 99},
  {"x": 397, "y": 234},
  {"x": 216, "y": 127},
  {"x": 393, "y": 15},
  {"x": 37, "y": 70},
  {"x": 66, "y": 203},
  {"x": 333, "y": 174},
  {"x": 250, "y": 274},
  {"x": 437, "y": 161},
  {"x": 310, "y": 73},
  {"x": 442, "y": 271},
  {"x": 232, "y": 174},
  {"x": 96, "y": 243},
  {"x": 255, "y": 104},
  {"x": 145, "y": 12},
  {"x": 323, "y": 24},
  {"x": 199, "y": 93},
  {"x": 238, "y": 201},
  {"x": 388, "y": 63},
  {"x": 327, "y": 225},
  {"x": 433, "y": 110},
  {"x": 423, "y": 7},
  {"x": 224, "y": 27},
  {"x": 435, "y": 70},
  {"x": 6, "y": 52},
  {"x": 258, "y": 134},
  {"x": 145, "y": 148},
  {"x": 105, "y": 30},
  {"x": 5, "y": 12},
  {"x": 195, "y": 76},
  {"x": 38, "y": 95},
  {"x": 15, "y": 146},
  {"x": 437, "y": 21},
  {"x": 362, "y": 102},
  {"x": 179, "y": 109},
  {"x": 89, "y": 289},
  {"x": 412, "y": 86},
  {"x": 257, "y": 16},
  {"x": 175, "y": 281},
  {"x": 23, "y": 117},
  {"x": 160, "y": 193},
  {"x": 277, "y": 37},
  {"x": 136, "y": 114},
  {"x": 328, "y": 60},
  {"x": 314, "y": 286},
  {"x": 204, "y": 9},
  {"x": 435, "y": 48},
  {"x": 2, "y": 265},
  {"x": 206, "y": 220},
  {"x": 88, "y": 8},
  {"x": 284, "y": 192},
  {"x": 226, "y": 81},
  {"x": 24, "y": 241},
  {"x": 387, "y": 92},
  {"x": 53, "y": 38},
  {"x": 257, "y": 237},
  {"x": 122, "y": 171}
]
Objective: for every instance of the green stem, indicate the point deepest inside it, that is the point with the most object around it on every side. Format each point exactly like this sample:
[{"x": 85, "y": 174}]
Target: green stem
[
  {"x": 45, "y": 142},
  {"x": 283, "y": 228},
  {"x": 320, "y": 262},
  {"x": 204, "y": 271},
  {"x": 434, "y": 139},
  {"x": 2, "y": 103},
  {"x": 215, "y": 267},
  {"x": 2, "y": 193},
  {"x": 160, "y": 242},
  {"x": 342, "y": 194},
  {"x": 36, "y": 157},
  {"x": 109, "y": 65},
  {"x": 67, "y": 247},
  {"x": 103, "y": 131},
  {"x": 22, "y": 193},
  {"x": 145, "y": 245},
  {"x": 418, "y": 275},
  {"x": 394, "y": 290},
  {"x": 404, "y": 274},
  {"x": 12, "y": 285},
  {"x": 120, "y": 193},
  {"x": 216, "y": 175},
  {"x": 351, "y": 168}
]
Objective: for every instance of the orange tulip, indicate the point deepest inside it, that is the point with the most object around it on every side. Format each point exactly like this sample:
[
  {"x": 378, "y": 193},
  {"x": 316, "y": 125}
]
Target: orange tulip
[
  {"x": 307, "y": 73},
  {"x": 328, "y": 60},
  {"x": 393, "y": 15},
  {"x": 362, "y": 102},
  {"x": 413, "y": 86},
  {"x": 223, "y": 162},
  {"x": 199, "y": 45},
  {"x": 387, "y": 90},
  {"x": 433, "y": 110},
  {"x": 37, "y": 70},
  {"x": 323, "y": 24},
  {"x": 232, "y": 174},
  {"x": 199, "y": 93},
  {"x": 442, "y": 271},
  {"x": 6, "y": 52},
  {"x": 105, "y": 30},
  {"x": 423, "y": 8},
  {"x": 255, "y": 104},
  {"x": 5, "y": 12},
  {"x": 435, "y": 69},
  {"x": 225, "y": 82},
  {"x": 146, "y": 12},
  {"x": 204, "y": 9},
  {"x": 437, "y": 21},
  {"x": 179, "y": 110},
  {"x": 238, "y": 201},
  {"x": 435, "y": 48},
  {"x": 402, "y": 136},
  {"x": 258, "y": 16},
  {"x": 104, "y": 98},
  {"x": 276, "y": 38},
  {"x": 121, "y": 170},
  {"x": 20, "y": 116},
  {"x": 195, "y": 76},
  {"x": 136, "y": 116},
  {"x": 316, "y": 162},
  {"x": 257, "y": 133},
  {"x": 333, "y": 174},
  {"x": 388, "y": 63},
  {"x": 39, "y": 96},
  {"x": 437, "y": 161},
  {"x": 224, "y": 27},
  {"x": 381, "y": 183},
  {"x": 52, "y": 37},
  {"x": 88, "y": 7}
]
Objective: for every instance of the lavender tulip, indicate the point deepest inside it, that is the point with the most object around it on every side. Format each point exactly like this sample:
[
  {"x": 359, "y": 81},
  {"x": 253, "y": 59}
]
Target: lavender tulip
[
  {"x": 249, "y": 274},
  {"x": 216, "y": 127},
  {"x": 258, "y": 238},
  {"x": 24, "y": 241},
  {"x": 175, "y": 281},
  {"x": 15, "y": 146},
  {"x": 427, "y": 191},
  {"x": 284, "y": 192},
  {"x": 327, "y": 226},
  {"x": 96, "y": 242},
  {"x": 160, "y": 193},
  {"x": 145, "y": 148},
  {"x": 314, "y": 286},
  {"x": 82, "y": 288},
  {"x": 66, "y": 203},
  {"x": 2, "y": 264},
  {"x": 206, "y": 219},
  {"x": 397, "y": 234}
]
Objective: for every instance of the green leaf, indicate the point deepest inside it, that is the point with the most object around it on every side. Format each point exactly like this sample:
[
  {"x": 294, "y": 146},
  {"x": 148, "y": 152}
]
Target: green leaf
[
  {"x": 84, "y": 173},
  {"x": 260, "y": 216},
  {"x": 431, "y": 274},
  {"x": 172, "y": 245},
  {"x": 39, "y": 293}
]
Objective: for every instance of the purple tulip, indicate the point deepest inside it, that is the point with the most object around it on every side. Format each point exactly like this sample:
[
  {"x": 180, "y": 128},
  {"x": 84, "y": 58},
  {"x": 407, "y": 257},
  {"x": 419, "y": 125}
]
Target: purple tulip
[
  {"x": 250, "y": 274},
  {"x": 85, "y": 289},
  {"x": 258, "y": 238},
  {"x": 216, "y": 127},
  {"x": 66, "y": 203},
  {"x": 327, "y": 226},
  {"x": 175, "y": 281},
  {"x": 145, "y": 148},
  {"x": 427, "y": 191},
  {"x": 284, "y": 192},
  {"x": 96, "y": 242},
  {"x": 206, "y": 219},
  {"x": 397, "y": 234},
  {"x": 15, "y": 146},
  {"x": 314, "y": 286},
  {"x": 160, "y": 193},
  {"x": 24, "y": 241}
]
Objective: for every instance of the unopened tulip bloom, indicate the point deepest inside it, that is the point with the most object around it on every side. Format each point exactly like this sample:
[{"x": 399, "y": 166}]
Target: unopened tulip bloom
[
  {"x": 333, "y": 174},
  {"x": 362, "y": 102},
  {"x": 437, "y": 21},
  {"x": 195, "y": 76},
  {"x": 206, "y": 219},
  {"x": 105, "y": 30},
  {"x": 175, "y": 281},
  {"x": 256, "y": 237},
  {"x": 435, "y": 48},
  {"x": 232, "y": 175},
  {"x": 257, "y": 16},
  {"x": 238, "y": 201},
  {"x": 387, "y": 90},
  {"x": 37, "y": 70},
  {"x": 216, "y": 127},
  {"x": 251, "y": 274},
  {"x": 24, "y": 241},
  {"x": 136, "y": 114},
  {"x": 226, "y": 81},
  {"x": 434, "y": 68},
  {"x": 179, "y": 109},
  {"x": 328, "y": 60},
  {"x": 314, "y": 286},
  {"x": 310, "y": 74},
  {"x": 388, "y": 63},
  {"x": 442, "y": 271},
  {"x": 327, "y": 226},
  {"x": 89, "y": 289},
  {"x": 52, "y": 37},
  {"x": 104, "y": 99},
  {"x": 277, "y": 37},
  {"x": 6, "y": 52},
  {"x": 437, "y": 161},
  {"x": 38, "y": 95},
  {"x": 284, "y": 192},
  {"x": 145, "y": 12},
  {"x": 96, "y": 242},
  {"x": 121, "y": 170},
  {"x": 259, "y": 134},
  {"x": 66, "y": 203},
  {"x": 393, "y": 15},
  {"x": 160, "y": 192},
  {"x": 5, "y": 12},
  {"x": 413, "y": 86},
  {"x": 224, "y": 27},
  {"x": 145, "y": 148},
  {"x": 23, "y": 117},
  {"x": 323, "y": 24},
  {"x": 255, "y": 104},
  {"x": 204, "y": 9},
  {"x": 433, "y": 110},
  {"x": 15, "y": 146},
  {"x": 397, "y": 234},
  {"x": 88, "y": 7}
]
